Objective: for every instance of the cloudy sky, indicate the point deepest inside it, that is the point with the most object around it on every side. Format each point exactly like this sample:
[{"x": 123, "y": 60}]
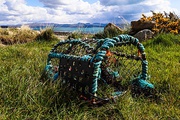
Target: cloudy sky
[{"x": 14, "y": 12}]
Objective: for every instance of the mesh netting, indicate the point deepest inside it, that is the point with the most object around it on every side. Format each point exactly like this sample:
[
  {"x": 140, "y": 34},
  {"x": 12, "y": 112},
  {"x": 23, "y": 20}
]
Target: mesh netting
[{"x": 125, "y": 61}]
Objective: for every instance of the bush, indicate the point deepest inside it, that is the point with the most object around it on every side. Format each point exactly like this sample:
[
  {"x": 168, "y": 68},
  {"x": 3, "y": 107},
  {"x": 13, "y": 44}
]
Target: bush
[
  {"x": 166, "y": 39},
  {"x": 109, "y": 32},
  {"x": 164, "y": 23},
  {"x": 75, "y": 35},
  {"x": 46, "y": 34},
  {"x": 163, "y": 39},
  {"x": 17, "y": 35},
  {"x": 99, "y": 35}
]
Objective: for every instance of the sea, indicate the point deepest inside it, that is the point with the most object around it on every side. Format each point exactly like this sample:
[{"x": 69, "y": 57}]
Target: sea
[
  {"x": 88, "y": 30},
  {"x": 91, "y": 30}
]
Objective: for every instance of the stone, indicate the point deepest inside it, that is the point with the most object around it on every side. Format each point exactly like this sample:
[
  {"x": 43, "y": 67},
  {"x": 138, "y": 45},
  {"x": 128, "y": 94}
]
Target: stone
[
  {"x": 139, "y": 25},
  {"x": 2, "y": 45},
  {"x": 144, "y": 35},
  {"x": 112, "y": 26}
]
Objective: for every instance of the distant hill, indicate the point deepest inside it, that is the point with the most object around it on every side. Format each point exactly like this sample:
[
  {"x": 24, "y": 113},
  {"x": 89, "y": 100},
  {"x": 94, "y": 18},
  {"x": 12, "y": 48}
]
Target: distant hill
[
  {"x": 83, "y": 27},
  {"x": 62, "y": 25},
  {"x": 67, "y": 25}
]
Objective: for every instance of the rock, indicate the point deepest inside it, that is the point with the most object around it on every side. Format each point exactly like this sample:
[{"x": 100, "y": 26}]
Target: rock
[
  {"x": 2, "y": 45},
  {"x": 112, "y": 26},
  {"x": 139, "y": 25},
  {"x": 111, "y": 30},
  {"x": 144, "y": 35}
]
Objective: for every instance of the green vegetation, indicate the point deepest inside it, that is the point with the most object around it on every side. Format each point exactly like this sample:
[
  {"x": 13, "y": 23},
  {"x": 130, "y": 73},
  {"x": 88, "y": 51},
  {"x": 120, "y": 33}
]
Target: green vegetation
[
  {"x": 166, "y": 39},
  {"x": 46, "y": 34},
  {"x": 11, "y": 36},
  {"x": 111, "y": 31},
  {"x": 24, "y": 34},
  {"x": 108, "y": 33},
  {"x": 24, "y": 96},
  {"x": 77, "y": 35}
]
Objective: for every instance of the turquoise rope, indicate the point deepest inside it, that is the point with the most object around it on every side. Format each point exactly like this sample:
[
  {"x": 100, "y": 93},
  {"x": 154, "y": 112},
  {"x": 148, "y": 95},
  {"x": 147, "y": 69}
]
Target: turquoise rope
[
  {"x": 97, "y": 60},
  {"x": 73, "y": 42},
  {"x": 126, "y": 39}
]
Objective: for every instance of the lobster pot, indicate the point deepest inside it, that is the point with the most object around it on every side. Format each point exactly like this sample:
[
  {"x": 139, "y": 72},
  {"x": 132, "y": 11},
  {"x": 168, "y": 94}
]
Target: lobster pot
[{"x": 85, "y": 64}]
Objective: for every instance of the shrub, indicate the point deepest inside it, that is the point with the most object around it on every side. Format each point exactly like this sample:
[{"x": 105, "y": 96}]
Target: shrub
[
  {"x": 17, "y": 35},
  {"x": 46, "y": 34},
  {"x": 164, "y": 23},
  {"x": 165, "y": 39},
  {"x": 75, "y": 35},
  {"x": 99, "y": 35},
  {"x": 111, "y": 32},
  {"x": 108, "y": 33}
]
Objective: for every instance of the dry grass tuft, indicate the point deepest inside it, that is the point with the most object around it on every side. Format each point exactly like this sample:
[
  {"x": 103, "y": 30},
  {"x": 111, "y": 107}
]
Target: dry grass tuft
[{"x": 11, "y": 36}]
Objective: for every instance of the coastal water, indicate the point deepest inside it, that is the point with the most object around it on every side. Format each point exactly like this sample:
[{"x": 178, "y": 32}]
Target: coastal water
[
  {"x": 91, "y": 30},
  {"x": 79, "y": 29}
]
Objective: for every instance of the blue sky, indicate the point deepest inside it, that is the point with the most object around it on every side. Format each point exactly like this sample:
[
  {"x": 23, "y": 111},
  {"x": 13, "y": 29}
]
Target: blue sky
[
  {"x": 86, "y": 11},
  {"x": 34, "y": 3},
  {"x": 174, "y": 3},
  {"x": 37, "y": 3}
]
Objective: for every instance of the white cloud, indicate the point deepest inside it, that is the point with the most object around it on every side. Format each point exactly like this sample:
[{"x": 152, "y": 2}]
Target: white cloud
[
  {"x": 74, "y": 11},
  {"x": 119, "y": 2},
  {"x": 17, "y": 12},
  {"x": 133, "y": 9}
]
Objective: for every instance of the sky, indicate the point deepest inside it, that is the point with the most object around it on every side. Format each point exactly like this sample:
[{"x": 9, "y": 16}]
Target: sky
[{"x": 13, "y": 12}]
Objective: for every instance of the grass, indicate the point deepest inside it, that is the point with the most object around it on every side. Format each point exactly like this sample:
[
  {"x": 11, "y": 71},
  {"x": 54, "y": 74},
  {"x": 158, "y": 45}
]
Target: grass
[
  {"x": 24, "y": 96},
  {"x": 17, "y": 35},
  {"x": 24, "y": 34}
]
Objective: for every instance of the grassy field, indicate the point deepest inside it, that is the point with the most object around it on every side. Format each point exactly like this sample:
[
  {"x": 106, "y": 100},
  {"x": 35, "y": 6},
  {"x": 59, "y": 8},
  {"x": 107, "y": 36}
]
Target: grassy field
[{"x": 24, "y": 96}]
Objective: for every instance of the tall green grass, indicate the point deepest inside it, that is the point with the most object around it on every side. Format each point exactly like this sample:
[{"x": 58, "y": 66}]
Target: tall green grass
[{"x": 24, "y": 96}]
